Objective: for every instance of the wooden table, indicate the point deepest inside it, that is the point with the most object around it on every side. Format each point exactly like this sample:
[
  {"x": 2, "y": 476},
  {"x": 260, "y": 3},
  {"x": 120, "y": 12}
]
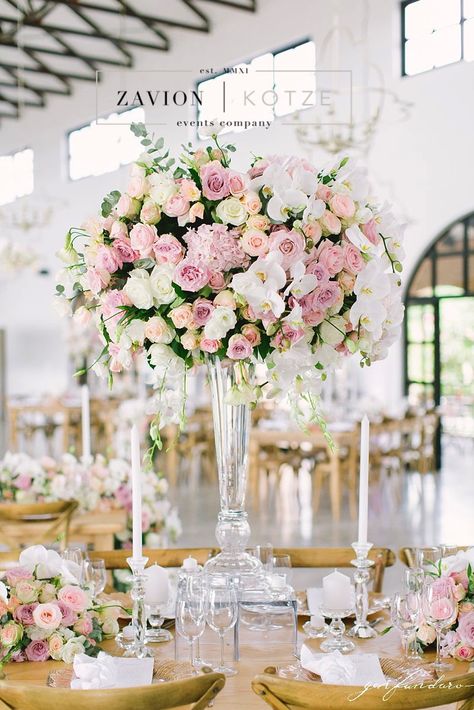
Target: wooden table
[
  {"x": 274, "y": 437},
  {"x": 97, "y": 529},
  {"x": 255, "y": 658}
]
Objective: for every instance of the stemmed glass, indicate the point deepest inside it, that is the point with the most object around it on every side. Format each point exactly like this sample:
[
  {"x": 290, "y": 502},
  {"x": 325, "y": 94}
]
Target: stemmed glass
[
  {"x": 282, "y": 566},
  {"x": 440, "y": 611},
  {"x": 95, "y": 575},
  {"x": 190, "y": 614},
  {"x": 414, "y": 580},
  {"x": 406, "y": 613},
  {"x": 76, "y": 556},
  {"x": 221, "y": 613}
]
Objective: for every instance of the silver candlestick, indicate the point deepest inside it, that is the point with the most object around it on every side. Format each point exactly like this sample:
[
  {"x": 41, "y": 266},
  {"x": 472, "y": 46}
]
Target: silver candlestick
[
  {"x": 362, "y": 564},
  {"x": 138, "y": 648}
]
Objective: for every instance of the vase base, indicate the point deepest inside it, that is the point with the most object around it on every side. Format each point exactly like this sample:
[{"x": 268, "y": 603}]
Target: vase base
[{"x": 241, "y": 565}]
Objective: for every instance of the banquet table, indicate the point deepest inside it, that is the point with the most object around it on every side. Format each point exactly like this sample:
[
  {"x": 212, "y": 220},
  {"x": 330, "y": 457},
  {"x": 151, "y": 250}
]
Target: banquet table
[{"x": 255, "y": 657}]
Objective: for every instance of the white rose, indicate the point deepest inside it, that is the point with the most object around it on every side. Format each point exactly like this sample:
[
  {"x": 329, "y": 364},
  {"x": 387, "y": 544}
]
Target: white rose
[
  {"x": 426, "y": 634},
  {"x": 220, "y": 322},
  {"x": 231, "y": 211},
  {"x": 110, "y": 627},
  {"x": 71, "y": 647},
  {"x": 161, "y": 281},
  {"x": 333, "y": 331},
  {"x": 138, "y": 288},
  {"x": 162, "y": 187},
  {"x": 161, "y": 355}
]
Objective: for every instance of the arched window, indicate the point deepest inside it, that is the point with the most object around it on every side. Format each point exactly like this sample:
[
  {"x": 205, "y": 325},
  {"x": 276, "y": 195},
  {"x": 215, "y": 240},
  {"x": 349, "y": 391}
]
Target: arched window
[{"x": 439, "y": 323}]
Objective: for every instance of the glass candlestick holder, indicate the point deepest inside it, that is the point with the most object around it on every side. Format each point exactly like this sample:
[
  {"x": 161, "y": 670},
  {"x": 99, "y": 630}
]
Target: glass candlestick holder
[
  {"x": 362, "y": 564},
  {"x": 337, "y": 640},
  {"x": 138, "y": 649},
  {"x": 155, "y": 619}
]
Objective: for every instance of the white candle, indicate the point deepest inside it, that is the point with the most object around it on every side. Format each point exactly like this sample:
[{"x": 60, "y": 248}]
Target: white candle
[
  {"x": 156, "y": 585},
  {"x": 337, "y": 591},
  {"x": 136, "y": 493},
  {"x": 85, "y": 423},
  {"x": 317, "y": 621},
  {"x": 364, "y": 480},
  {"x": 190, "y": 564}
]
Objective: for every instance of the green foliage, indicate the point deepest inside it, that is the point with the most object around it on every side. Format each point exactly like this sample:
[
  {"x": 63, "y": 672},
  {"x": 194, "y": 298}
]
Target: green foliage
[{"x": 109, "y": 202}]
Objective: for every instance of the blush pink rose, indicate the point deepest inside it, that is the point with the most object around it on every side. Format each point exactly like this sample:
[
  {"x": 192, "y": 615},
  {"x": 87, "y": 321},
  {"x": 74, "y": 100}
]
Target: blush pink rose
[
  {"x": 342, "y": 206},
  {"x": 312, "y": 230},
  {"x": 332, "y": 257},
  {"x": 14, "y": 574},
  {"x": 214, "y": 180},
  {"x": 324, "y": 193},
  {"x": 291, "y": 333},
  {"x": 37, "y": 651},
  {"x": 176, "y": 205},
  {"x": 73, "y": 596},
  {"x": 371, "y": 231},
  {"x": 24, "y": 614},
  {"x": 208, "y": 345},
  {"x": 123, "y": 246},
  {"x": 137, "y": 186},
  {"x": 190, "y": 276},
  {"x": 464, "y": 653},
  {"x": 69, "y": 616},
  {"x": 239, "y": 348},
  {"x": 167, "y": 249},
  {"x": 314, "y": 317},
  {"x": 47, "y": 616},
  {"x": 108, "y": 259},
  {"x": 254, "y": 242},
  {"x": 202, "y": 310},
  {"x": 353, "y": 260},
  {"x": 97, "y": 279},
  {"x": 441, "y": 609},
  {"x": 238, "y": 183},
  {"x": 182, "y": 316},
  {"x": 252, "y": 333},
  {"x": 290, "y": 244},
  {"x": 316, "y": 268},
  {"x": 196, "y": 211},
  {"x": 466, "y": 628},
  {"x": 330, "y": 222},
  {"x": 150, "y": 213},
  {"x": 142, "y": 238},
  {"x": 118, "y": 230},
  {"x": 83, "y": 626},
  {"x": 346, "y": 281},
  {"x": 252, "y": 202},
  {"x": 127, "y": 206},
  {"x": 189, "y": 190},
  {"x": 216, "y": 280},
  {"x": 23, "y": 482}
]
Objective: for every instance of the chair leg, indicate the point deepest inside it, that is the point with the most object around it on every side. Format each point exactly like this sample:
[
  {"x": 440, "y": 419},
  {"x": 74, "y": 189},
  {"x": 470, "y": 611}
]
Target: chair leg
[
  {"x": 317, "y": 485},
  {"x": 208, "y": 697}
]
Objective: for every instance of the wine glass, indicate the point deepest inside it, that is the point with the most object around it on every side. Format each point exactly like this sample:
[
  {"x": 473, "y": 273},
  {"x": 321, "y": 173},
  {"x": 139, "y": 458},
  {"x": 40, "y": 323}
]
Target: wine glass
[
  {"x": 221, "y": 614},
  {"x": 282, "y": 566},
  {"x": 428, "y": 559},
  {"x": 264, "y": 553},
  {"x": 190, "y": 615},
  {"x": 95, "y": 575},
  {"x": 406, "y": 613},
  {"x": 75, "y": 556},
  {"x": 440, "y": 611}
]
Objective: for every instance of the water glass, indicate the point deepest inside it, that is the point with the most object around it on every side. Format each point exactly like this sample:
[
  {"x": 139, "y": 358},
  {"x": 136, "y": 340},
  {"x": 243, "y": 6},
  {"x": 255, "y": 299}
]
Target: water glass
[
  {"x": 428, "y": 559},
  {"x": 282, "y": 566},
  {"x": 406, "y": 614},
  {"x": 95, "y": 575},
  {"x": 264, "y": 553},
  {"x": 190, "y": 614},
  {"x": 221, "y": 614},
  {"x": 439, "y": 610},
  {"x": 76, "y": 556}
]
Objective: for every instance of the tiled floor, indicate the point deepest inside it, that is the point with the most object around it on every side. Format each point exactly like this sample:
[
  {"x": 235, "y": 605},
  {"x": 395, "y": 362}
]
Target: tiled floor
[{"x": 414, "y": 509}]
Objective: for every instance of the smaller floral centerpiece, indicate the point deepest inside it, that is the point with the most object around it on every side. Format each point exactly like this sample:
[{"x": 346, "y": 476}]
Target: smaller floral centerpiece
[
  {"x": 46, "y": 614},
  {"x": 458, "y": 571}
]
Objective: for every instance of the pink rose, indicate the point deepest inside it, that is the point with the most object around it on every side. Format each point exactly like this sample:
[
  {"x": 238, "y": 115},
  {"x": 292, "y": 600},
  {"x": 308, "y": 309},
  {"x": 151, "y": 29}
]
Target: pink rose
[
  {"x": 97, "y": 279},
  {"x": 10, "y": 634},
  {"x": 464, "y": 653},
  {"x": 168, "y": 250},
  {"x": 108, "y": 259},
  {"x": 118, "y": 230},
  {"x": 124, "y": 247},
  {"x": 460, "y": 578},
  {"x": 314, "y": 317},
  {"x": 189, "y": 190},
  {"x": 150, "y": 213},
  {"x": 142, "y": 237},
  {"x": 238, "y": 183},
  {"x": 189, "y": 340},
  {"x": 239, "y": 348},
  {"x": 290, "y": 245},
  {"x": 202, "y": 310},
  {"x": 158, "y": 331},
  {"x": 24, "y": 614},
  {"x": 176, "y": 205},
  {"x": 69, "y": 616},
  {"x": 182, "y": 316},
  {"x": 332, "y": 257},
  {"x": 216, "y": 280},
  {"x": 466, "y": 628},
  {"x": 466, "y": 608},
  {"x": 258, "y": 168},
  {"x": 292, "y": 334},
  {"x": 127, "y": 206},
  {"x": 324, "y": 193},
  {"x": 252, "y": 333},
  {"x": 326, "y": 295},
  {"x": 215, "y": 180},
  {"x": 330, "y": 223},
  {"x": 73, "y": 596},
  {"x": 191, "y": 277},
  {"x": 254, "y": 242},
  {"x": 252, "y": 202},
  {"x": 208, "y": 345},
  {"x": 258, "y": 221},
  {"x": 83, "y": 626},
  {"x": 137, "y": 186},
  {"x": 47, "y": 616},
  {"x": 441, "y": 609},
  {"x": 319, "y": 270},
  {"x": 312, "y": 230},
  {"x": 353, "y": 260},
  {"x": 14, "y": 574},
  {"x": 37, "y": 651},
  {"x": 342, "y": 206},
  {"x": 196, "y": 211},
  {"x": 26, "y": 591},
  {"x": 225, "y": 298},
  {"x": 23, "y": 482},
  {"x": 370, "y": 229},
  {"x": 346, "y": 281}
]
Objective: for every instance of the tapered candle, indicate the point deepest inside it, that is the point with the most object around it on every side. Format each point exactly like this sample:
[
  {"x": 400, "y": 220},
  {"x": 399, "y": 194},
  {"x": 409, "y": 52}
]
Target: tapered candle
[
  {"x": 85, "y": 423},
  {"x": 364, "y": 479},
  {"x": 136, "y": 493}
]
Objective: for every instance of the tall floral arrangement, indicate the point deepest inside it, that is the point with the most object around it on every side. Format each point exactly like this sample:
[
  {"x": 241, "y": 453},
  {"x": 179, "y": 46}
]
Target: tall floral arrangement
[{"x": 283, "y": 263}]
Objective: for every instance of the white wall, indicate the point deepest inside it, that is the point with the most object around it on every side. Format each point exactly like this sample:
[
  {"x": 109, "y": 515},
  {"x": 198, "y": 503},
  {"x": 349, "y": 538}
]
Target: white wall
[{"x": 425, "y": 162}]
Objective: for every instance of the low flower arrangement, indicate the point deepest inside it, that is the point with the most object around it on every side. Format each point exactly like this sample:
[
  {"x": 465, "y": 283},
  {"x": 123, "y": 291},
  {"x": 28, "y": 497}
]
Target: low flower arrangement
[
  {"x": 102, "y": 486},
  {"x": 457, "y": 571},
  {"x": 46, "y": 614},
  {"x": 285, "y": 264}
]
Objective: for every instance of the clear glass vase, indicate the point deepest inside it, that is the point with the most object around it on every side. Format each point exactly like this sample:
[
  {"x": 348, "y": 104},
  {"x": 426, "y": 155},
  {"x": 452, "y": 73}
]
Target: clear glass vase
[{"x": 231, "y": 433}]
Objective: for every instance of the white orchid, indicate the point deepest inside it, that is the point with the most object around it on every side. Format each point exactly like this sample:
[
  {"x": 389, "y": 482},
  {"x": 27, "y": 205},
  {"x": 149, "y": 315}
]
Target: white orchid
[
  {"x": 302, "y": 283},
  {"x": 359, "y": 240},
  {"x": 221, "y": 321},
  {"x": 260, "y": 285}
]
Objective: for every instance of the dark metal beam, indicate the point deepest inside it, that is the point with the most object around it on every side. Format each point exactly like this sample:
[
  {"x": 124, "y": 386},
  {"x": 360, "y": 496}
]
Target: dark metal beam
[
  {"x": 45, "y": 70},
  {"x": 58, "y": 53}
]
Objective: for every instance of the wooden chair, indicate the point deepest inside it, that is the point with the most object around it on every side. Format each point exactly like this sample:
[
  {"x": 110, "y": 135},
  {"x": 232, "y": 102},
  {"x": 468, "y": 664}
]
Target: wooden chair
[
  {"x": 282, "y": 694},
  {"x": 198, "y": 693},
  {"x": 301, "y": 557},
  {"x": 23, "y": 524},
  {"x": 407, "y": 555}
]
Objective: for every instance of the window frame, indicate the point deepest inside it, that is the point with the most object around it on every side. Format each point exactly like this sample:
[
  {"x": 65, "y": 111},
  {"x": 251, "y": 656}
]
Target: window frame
[{"x": 11, "y": 154}]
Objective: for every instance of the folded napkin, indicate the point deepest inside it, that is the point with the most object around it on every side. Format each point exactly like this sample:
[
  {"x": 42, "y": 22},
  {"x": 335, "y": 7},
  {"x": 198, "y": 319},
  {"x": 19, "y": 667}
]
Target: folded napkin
[
  {"x": 333, "y": 667},
  {"x": 94, "y": 673}
]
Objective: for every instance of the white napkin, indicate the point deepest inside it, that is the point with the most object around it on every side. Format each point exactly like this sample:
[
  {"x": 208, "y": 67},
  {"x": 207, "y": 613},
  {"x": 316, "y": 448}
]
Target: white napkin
[
  {"x": 110, "y": 672},
  {"x": 94, "y": 673},
  {"x": 332, "y": 667}
]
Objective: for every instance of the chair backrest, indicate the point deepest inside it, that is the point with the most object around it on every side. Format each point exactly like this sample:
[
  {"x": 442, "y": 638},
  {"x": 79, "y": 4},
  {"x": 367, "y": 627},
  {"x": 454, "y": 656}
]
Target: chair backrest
[
  {"x": 197, "y": 692},
  {"x": 309, "y": 557},
  {"x": 284, "y": 694},
  {"x": 407, "y": 555},
  {"x": 23, "y": 524}
]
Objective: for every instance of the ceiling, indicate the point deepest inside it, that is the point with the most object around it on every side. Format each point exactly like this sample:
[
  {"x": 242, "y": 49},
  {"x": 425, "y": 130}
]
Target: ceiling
[{"x": 48, "y": 45}]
